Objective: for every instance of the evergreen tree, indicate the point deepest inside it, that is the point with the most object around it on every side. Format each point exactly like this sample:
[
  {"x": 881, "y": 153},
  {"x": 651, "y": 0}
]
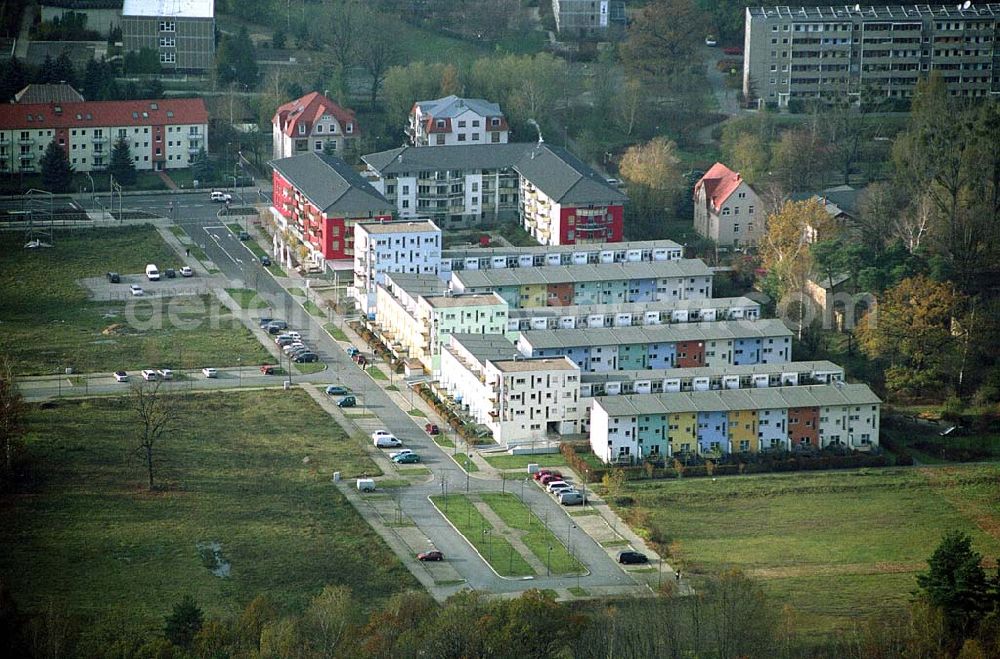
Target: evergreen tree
[
  {"x": 154, "y": 89},
  {"x": 63, "y": 69},
  {"x": 13, "y": 78},
  {"x": 48, "y": 71},
  {"x": 201, "y": 168},
  {"x": 122, "y": 166},
  {"x": 57, "y": 173},
  {"x": 184, "y": 623},
  {"x": 956, "y": 583},
  {"x": 235, "y": 60}
]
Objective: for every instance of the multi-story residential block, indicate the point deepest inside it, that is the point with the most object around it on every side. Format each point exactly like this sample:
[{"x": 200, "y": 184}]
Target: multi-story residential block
[
  {"x": 312, "y": 124},
  {"x": 454, "y": 185},
  {"x": 585, "y": 18},
  {"x": 614, "y": 283},
  {"x": 656, "y": 426},
  {"x": 723, "y": 343},
  {"x": 726, "y": 208},
  {"x": 838, "y": 52},
  {"x": 181, "y": 31},
  {"x": 412, "y": 247},
  {"x": 161, "y": 134},
  {"x": 563, "y": 201},
  {"x": 491, "y": 258},
  {"x": 415, "y": 325},
  {"x": 635, "y": 314},
  {"x": 320, "y": 199},
  {"x": 520, "y": 400},
  {"x": 452, "y": 121}
]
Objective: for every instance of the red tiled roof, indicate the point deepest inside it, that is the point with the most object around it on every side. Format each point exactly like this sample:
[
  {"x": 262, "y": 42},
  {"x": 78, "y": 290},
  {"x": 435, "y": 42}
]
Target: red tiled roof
[
  {"x": 719, "y": 182},
  {"x": 310, "y": 109},
  {"x": 153, "y": 112}
]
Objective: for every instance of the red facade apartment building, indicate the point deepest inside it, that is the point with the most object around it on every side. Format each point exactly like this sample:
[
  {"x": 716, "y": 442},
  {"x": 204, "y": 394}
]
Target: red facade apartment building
[{"x": 319, "y": 198}]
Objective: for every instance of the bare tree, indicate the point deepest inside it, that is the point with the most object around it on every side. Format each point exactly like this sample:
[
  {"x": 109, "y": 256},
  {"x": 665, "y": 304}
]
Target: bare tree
[
  {"x": 913, "y": 224},
  {"x": 377, "y": 51},
  {"x": 157, "y": 414},
  {"x": 12, "y": 410}
]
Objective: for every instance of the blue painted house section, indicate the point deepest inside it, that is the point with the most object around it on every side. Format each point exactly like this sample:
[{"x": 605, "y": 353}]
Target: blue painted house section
[
  {"x": 713, "y": 428},
  {"x": 642, "y": 290},
  {"x": 746, "y": 351},
  {"x": 661, "y": 355},
  {"x": 772, "y": 428},
  {"x": 580, "y": 356}
]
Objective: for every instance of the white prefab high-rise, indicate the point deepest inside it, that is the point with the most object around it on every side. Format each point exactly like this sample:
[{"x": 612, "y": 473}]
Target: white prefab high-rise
[{"x": 381, "y": 247}]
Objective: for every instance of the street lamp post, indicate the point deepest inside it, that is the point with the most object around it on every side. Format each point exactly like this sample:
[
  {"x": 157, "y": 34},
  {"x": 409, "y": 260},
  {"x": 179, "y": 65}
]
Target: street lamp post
[
  {"x": 489, "y": 543},
  {"x": 239, "y": 363},
  {"x": 548, "y": 563}
]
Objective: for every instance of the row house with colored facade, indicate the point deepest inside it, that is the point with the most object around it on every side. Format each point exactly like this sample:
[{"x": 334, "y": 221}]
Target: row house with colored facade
[
  {"x": 690, "y": 345},
  {"x": 627, "y": 429},
  {"x": 312, "y": 124},
  {"x": 408, "y": 247},
  {"x": 319, "y": 200},
  {"x": 454, "y": 121},
  {"x": 498, "y": 258},
  {"x": 631, "y": 314},
  {"x": 616, "y": 283},
  {"x": 162, "y": 134}
]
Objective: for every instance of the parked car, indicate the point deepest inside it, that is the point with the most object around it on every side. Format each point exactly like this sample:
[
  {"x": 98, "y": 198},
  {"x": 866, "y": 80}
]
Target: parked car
[
  {"x": 170, "y": 273},
  {"x": 288, "y": 347},
  {"x": 149, "y": 375},
  {"x": 268, "y": 369},
  {"x": 631, "y": 558},
  {"x": 165, "y": 374},
  {"x": 307, "y": 357},
  {"x": 121, "y": 376},
  {"x": 279, "y": 324},
  {"x": 136, "y": 290},
  {"x": 283, "y": 340},
  {"x": 265, "y": 260},
  {"x": 432, "y": 429},
  {"x": 221, "y": 196},
  {"x": 186, "y": 271},
  {"x": 244, "y": 235},
  {"x": 407, "y": 458},
  {"x": 432, "y": 555},
  {"x": 210, "y": 372},
  {"x": 387, "y": 442},
  {"x": 351, "y": 351},
  {"x": 294, "y": 335},
  {"x": 114, "y": 278},
  {"x": 273, "y": 328},
  {"x": 557, "y": 485},
  {"x": 366, "y": 485},
  {"x": 347, "y": 401},
  {"x": 548, "y": 478},
  {"x": 264, "y": 322},
  {"x": 381, "y": 433},
  {"x": 292, "y": 350},
  {"x": 542, "y": 473},
  {"x": 710, "y": 41},
  {"x": 337, "y": 390},
  {"x": 571, "y": 498},
  {"x": 402, "y": 451},
  {"x": 152, "y": 272}
]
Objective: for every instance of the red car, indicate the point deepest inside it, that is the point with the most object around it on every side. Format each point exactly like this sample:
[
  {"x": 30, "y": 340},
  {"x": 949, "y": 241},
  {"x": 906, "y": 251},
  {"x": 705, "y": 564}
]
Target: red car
[
  {"x": 432, "y": 429},
  {"x": 268, "y": 369},
  {"x": 432, "y": 555},
  {"x": 550, "y": 478},
  {"x": 542, "y": 473}
]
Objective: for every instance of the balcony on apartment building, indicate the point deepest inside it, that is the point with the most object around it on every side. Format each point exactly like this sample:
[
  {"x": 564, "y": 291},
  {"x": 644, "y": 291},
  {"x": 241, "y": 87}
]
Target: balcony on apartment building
[{"x": 26, "y": 140}]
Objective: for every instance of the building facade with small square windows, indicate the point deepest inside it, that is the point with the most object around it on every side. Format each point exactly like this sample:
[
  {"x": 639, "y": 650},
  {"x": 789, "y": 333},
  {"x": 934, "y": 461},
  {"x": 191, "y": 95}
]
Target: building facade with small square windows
[{"x": 181, "y": 32}]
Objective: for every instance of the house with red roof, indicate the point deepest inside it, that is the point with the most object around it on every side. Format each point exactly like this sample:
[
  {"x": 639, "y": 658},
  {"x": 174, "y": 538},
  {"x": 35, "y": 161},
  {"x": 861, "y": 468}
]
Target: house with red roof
[
  {"x": 161, "y": 133},
  {"x": 309, "y": 124},
  {"x": 726, "y": 208}
]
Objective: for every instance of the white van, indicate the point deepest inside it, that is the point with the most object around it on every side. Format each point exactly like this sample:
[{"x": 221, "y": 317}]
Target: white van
[
  {"x": 366, "y": 485},
  {"x": 152, "y": 273}
]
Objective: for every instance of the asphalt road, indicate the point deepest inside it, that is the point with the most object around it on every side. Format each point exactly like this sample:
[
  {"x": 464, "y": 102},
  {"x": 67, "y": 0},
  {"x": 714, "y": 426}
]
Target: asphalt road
[{"x": 198, "y": 216}]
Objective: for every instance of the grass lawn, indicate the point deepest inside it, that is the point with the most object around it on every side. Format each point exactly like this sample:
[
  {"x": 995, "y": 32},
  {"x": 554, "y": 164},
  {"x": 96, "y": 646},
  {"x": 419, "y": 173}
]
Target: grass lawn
[
  {"x": 466, "y": 463},
  {"x": 538, "y": 538},
  {"x": 295, "y": 290},
  {"x": 50, "y": 324},
  {"x": 247, "y": 298},
  {"x": 312, "y": 308},
  {"x": 857, "y": 538},
  {"x": 310, "y": 367},
  {"x": 522, "y": 461},
  {"x": 376, "y": 373},
  {"x": 335, "y": 332},
  {"x": 88, "y": 537},
  {"x": 493, "y": 547},
  {"x": 416, "y": 412},
  {"x": 441, "y": 440}
]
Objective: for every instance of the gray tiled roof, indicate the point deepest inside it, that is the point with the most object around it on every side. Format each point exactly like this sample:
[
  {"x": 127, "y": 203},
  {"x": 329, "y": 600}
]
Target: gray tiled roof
[
  {"x": 818, "y": 395},
  {"x": 719, "y": 330},
  {"x": 485, "y": 346},
  {"x": 437, "y": 158},
  {"x": 485, "y": 252},
  {"x": 632, "y": 307},
  {"x": 713, "y": 371},
  {"x": 452, "y": 106},
  {"x": 564, "y": 178},
  {"x": 561, "y": 274},
  {"x": 416, "y": 284},
  {"x": 331, "y": 184}
]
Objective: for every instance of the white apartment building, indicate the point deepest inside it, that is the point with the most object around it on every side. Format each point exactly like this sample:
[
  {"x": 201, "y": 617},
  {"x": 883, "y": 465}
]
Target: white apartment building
[
  {"x": 452, "y": 121},
  {"x": 381, "y": 247}
]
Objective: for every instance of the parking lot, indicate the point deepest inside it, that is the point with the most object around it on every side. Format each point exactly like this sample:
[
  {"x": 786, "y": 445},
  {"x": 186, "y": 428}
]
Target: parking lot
[{"x": 100, "y": 289}]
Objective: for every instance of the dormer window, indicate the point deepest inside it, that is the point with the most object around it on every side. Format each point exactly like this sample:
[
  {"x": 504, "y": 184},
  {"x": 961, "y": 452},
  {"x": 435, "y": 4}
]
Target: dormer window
[
  {"x": 350, "y": 127},
  {"x": 302, "y": 129},
  {"x": 440, "y": 123},
  {"x": 494, "y": 121}
]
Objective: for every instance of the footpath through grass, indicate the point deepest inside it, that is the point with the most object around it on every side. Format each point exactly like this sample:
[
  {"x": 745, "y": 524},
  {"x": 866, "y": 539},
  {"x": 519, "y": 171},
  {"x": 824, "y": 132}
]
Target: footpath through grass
[
  {"x": 535, "y": 535},
  {"x": 491, "y": 545},
  {"x": 50, "y": 324},
  {"x": 857, "y": 538},
  {"x": 249, "y": 471}
]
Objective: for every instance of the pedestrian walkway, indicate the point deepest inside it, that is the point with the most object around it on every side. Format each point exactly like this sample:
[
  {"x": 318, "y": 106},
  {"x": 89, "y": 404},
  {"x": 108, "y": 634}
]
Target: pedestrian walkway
[
  {"x": 513, "y": 536},
  {"x": 167, "y": 181}
]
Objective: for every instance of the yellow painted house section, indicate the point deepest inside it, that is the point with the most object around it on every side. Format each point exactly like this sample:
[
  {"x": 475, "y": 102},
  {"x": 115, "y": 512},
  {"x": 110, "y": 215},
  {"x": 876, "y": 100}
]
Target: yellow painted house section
[
  {"x": 533, "y": 295},
  {"x": 743, "y": 428},
  {"x": 682, "y": 428}
]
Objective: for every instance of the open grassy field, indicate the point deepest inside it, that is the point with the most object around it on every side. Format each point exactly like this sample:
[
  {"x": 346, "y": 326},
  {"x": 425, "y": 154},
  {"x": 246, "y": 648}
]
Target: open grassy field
[
  {"x": 522, "y": 461},
  {"x": 834, "y": 546},
  {"x": 534, "y": 534},
  {"x": 250, "y": 471},
  {"x": 50, "y": 324}
]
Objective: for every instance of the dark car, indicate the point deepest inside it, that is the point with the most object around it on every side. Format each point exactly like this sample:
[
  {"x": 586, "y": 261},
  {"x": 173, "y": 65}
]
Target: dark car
[
  {"x": 432, "y": 429},
  {"x": 432, "y": 555},
  {"x": 264, "y": 322},
  {"x": 268, "y": 369},
  {"x": 265, "y": 260},
  {"x": 307, "y": 357},
  {"x": 347, "y": 401},
  {"x": 292, "y": 354},
  {"x": 170, "y": 273},
  {"x": 114, "y": 278},
  {"x": 632, "y": 558},
  {"x": 244, "y": 235},
  {"x": 284, "y": 341},
  {"x": 337, "y": 390}
]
